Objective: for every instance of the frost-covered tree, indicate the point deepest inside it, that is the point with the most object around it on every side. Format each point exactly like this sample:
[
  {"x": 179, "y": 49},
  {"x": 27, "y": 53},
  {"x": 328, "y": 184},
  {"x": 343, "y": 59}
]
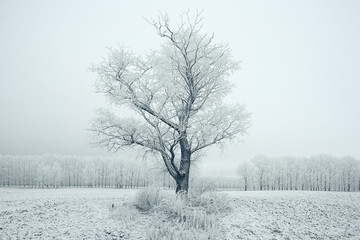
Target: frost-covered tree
[
  {"x": 260, "y": 163},
  {"x": 176, "y": 94},
  {"x": 244, "y": 171}
]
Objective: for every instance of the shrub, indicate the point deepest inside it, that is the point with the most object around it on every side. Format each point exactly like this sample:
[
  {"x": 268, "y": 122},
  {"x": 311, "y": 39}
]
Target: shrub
[
  {"x": 211, "y": 202},
  {"x": 181, "y": 216},
  {"x": 147, "y": 198},
  {"x": 182, "y": 211}
]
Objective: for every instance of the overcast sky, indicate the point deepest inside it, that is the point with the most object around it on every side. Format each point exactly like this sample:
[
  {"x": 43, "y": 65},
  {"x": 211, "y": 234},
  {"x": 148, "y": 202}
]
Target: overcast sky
[{"x": 300, "y": 72}]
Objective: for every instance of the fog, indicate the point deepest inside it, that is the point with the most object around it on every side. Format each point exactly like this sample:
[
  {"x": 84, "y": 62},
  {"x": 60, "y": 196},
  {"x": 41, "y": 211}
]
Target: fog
[{"x": 299, "y": 74}]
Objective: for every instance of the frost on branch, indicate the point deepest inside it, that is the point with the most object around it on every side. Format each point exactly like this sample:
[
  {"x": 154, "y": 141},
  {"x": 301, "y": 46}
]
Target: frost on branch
[
  {"x": 177, "y": 93},
  {"x": 218, "y": 123}
]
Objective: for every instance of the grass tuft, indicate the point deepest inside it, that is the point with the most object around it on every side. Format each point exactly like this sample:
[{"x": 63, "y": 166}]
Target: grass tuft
[
  {"x": 181, "y": 216},
  {"x": 170, "y": 231},
  {"x": 146, "y": 199}
]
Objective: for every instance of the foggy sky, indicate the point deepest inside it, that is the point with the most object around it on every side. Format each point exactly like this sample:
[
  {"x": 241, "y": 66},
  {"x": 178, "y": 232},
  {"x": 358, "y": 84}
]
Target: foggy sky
[{"x": 300, "y": 72}]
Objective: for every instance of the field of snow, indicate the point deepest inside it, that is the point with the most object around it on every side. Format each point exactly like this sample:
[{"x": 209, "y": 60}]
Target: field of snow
[
  {"x": 88, "y": 214},
  {"x": 66, "y": 214},
  {"x": 294, "y": 215}
]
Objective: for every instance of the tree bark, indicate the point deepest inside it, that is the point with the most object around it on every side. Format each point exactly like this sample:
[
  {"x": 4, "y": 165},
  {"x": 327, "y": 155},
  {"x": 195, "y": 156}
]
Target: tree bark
[
  {"x": 182, "y": 181},
  {"x": 182, "y": 184}
]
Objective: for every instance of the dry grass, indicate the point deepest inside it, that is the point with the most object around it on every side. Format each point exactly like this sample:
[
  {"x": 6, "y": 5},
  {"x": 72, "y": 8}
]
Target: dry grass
[
  {"x": 148, "y": 198},
  {"x": 161, "y": 230},
  {"x": 180, "y": 216}
]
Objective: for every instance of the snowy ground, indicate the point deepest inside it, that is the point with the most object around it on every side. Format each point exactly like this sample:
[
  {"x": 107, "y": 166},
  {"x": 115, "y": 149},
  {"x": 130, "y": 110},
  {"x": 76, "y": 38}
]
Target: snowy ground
[
  {"x": 293, "y": 215},
  {"x": 88, "y": 214},
  {"x": 67, "y": 214}
]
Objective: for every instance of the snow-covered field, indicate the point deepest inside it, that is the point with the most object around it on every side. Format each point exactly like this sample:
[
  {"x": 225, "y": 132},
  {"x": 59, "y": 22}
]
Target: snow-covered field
[
  {"x": 88, "y": 214},
  {"x": 294, "y": 215},
  {"x": 75, "y": 213}
]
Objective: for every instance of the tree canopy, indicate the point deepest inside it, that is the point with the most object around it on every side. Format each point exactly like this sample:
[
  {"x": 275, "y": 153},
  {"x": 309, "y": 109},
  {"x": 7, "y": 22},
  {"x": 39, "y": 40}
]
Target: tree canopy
[{"x": 176, "y": 93}]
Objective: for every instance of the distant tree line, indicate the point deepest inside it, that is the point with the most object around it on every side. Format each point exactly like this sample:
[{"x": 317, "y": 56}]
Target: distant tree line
[
  {"x": 51, "y": 171},
  {"x": 316, "y": 173}
]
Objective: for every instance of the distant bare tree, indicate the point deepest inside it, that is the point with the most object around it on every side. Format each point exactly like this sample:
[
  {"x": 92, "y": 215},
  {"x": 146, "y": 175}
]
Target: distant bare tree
[
  {"x": 261, "y": 167},
  {"x": 245, "y": 171},
  {"x": 176, "y": 94}
]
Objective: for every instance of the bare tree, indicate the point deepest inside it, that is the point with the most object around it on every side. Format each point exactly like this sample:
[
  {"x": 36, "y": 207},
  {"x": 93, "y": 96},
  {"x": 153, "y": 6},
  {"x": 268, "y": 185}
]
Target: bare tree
[
  {"x": 244, "y": 171},
  {"x": 176, "y": 94},
  {"x": 260, "y": 163}
]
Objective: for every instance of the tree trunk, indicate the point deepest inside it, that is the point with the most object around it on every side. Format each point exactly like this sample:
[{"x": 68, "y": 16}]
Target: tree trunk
[
  {"x": 182, "y": 184},
  {"x": 182, "y": 181}
]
